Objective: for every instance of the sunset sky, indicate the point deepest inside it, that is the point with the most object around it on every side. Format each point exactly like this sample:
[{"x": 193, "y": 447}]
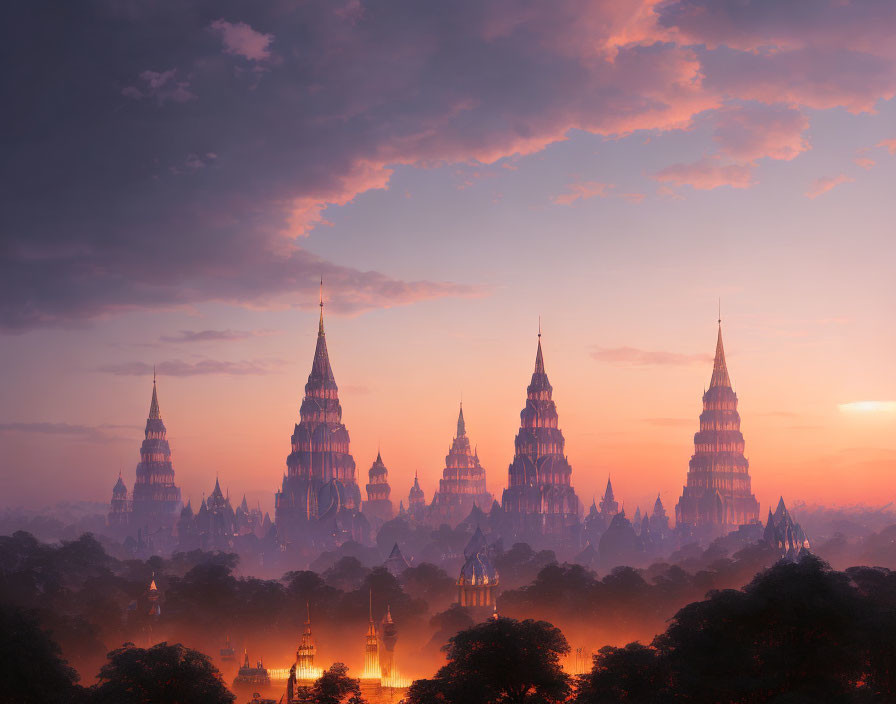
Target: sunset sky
[{"x": 177, "y": 177}]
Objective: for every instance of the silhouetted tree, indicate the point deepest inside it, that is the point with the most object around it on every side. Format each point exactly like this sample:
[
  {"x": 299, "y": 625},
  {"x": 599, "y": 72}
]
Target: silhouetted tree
[
  {"x": 630, "y": 675},
  {"x": 31, "y": 669},
  {"x": 162, "y": 674},
  {"x": 501, "y": 660},
  {"x": 336, "y": 687}
]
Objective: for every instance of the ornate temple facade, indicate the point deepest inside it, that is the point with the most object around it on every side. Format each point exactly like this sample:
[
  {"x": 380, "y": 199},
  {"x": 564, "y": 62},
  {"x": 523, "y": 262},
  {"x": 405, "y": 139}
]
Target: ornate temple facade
[
  {"x": 717, "y": 497},
  {"x": 319, "y": 488},
  {"x": 478, "y": 581},
  {"x": 462, "y": 485},
  {"x": 378, "y": 507},
  {"x": 155, "y": 499},
  {"x": 539, "y": 498}
]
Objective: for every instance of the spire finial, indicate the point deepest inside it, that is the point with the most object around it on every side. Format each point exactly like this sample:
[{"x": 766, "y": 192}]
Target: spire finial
[
  {"x": 539, "y": 326},
  {"x": 153, "y": 374},
  {"x": 320, "y": 327},
  {"x": 720, "y": 311},
  {"x": 371, "y": 605}
]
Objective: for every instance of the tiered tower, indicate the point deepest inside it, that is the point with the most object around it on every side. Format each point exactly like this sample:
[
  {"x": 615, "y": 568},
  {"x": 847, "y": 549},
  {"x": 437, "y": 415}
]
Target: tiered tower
[
  {"x": 416, "y": 500},
  {"x": 306, "y": 651},
  {"x": 539, "y": 497},
  {"x": 378, "y": 507},
  {"x": 156, "y": 499},
  {"x": 717, "y": 496},
  {"x": 462, "y": 485},
  {"x": 120, "y": 507},
  {"x": 371, "y": 650},
  {"x": 320, "y": 477}
]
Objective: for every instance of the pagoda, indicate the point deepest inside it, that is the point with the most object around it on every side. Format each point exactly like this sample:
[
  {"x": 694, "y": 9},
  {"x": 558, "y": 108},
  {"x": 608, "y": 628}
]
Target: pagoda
[
  {"x": 156, "y": 499},
  {"x": 539, "y": 498},
  {"x": 462, "y": 485},
  {"x": 378, "y": 507},
  {"x": 416, "y": 500},
  {"x": 120, "y": 507},
  {"x": 609, "y": 507},
  {"x": 717, "y": 497},
  {"x": 319, "y": 483}
]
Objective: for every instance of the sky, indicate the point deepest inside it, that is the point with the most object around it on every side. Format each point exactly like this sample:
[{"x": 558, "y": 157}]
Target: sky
[{"x": 178, "y": 177}]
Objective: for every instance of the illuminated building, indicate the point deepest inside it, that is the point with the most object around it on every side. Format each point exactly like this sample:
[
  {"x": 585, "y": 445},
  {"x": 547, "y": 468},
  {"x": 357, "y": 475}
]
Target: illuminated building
[
  {"x": 717, "y": 497},
  {"x": 462, "y": 485},
  {"x": 371, "y": 650},
  {"x": 539, "y": 498}
]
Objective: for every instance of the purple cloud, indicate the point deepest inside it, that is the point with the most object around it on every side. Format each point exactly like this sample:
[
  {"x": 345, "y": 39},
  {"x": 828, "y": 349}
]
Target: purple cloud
[
  {"x": 128, "y": 215},
  {"x": 212, "y": 335},
  {"x": 205, "y": 367}
]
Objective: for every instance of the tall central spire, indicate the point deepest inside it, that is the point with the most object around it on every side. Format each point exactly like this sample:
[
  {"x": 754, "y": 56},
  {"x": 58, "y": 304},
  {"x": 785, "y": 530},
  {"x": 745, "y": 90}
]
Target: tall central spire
[
  {"x": 321, "y": 369},
  {"x": 461, "y": 426},
  {"x": 719, "y": 367},
  {"x": 539, "y": 358},
  {"x": 154, "y": 412}
]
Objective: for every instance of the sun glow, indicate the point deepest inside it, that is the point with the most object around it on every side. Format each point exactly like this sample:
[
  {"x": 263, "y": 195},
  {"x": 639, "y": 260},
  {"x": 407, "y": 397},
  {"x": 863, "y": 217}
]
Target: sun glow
[{"x": 869, "y": 407}]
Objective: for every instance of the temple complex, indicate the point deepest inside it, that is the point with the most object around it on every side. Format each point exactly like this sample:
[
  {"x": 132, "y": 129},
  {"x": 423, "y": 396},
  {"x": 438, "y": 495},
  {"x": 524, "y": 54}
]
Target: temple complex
[
  {"x": 378, "y": 507},
  {"x": 320, "y": 495},
  {"x": 717, "y": 497},
  {"x": 539, "y": 499},
  {"x": 155, "y": 499},
  {"x": 462, "y": 485},
  {"x": 784, "y": 534}
]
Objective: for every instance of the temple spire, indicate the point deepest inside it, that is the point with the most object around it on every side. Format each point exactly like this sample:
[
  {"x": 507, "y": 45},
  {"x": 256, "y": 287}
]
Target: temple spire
[
  {"x": 321, "y": 369},
  {"x": 461, "y": 426},
  {"x": 719, "y": 367},
  {"x": 539, "y": 359},
  {"x": 320, "y": 328},
  {"x": 154, "y": 412}
]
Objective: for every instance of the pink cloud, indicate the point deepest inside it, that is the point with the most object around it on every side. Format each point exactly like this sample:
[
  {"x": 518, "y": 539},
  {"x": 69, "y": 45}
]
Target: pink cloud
[
  {"x": 750, "y": 132},
  {"x": 864, "y": 161},
  {"x": 241, "y": 40},
  {"x": 826, "y": 183},
  {"x": 632, "y": 356},
  {"x": 582, "y": 190},
  {"x": 890, "y": 144},
  {"x": 706, "y": 174}
]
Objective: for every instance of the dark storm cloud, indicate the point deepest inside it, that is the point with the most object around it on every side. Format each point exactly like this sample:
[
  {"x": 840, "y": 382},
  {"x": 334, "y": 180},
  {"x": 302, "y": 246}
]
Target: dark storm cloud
[{"x": 165, "y": 154}]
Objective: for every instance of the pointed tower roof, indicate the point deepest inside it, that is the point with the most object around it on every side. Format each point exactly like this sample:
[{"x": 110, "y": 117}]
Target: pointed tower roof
[
  {"x": 539, "y": 357},
  {"x": 388, "y": 618},
  {"x": 719, "y": 367},
  {"x": 320, "y": 368},
  {"x": 154, "y": 412},
  {"x": 608, "y": 494},
  {"x": 216, "y": 492},
  {"x": 461, "y": 426}
]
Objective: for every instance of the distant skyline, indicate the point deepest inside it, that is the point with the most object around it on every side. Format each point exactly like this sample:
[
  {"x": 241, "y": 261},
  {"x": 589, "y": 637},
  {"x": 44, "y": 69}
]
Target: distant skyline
[{"x": 179, "y": 178}]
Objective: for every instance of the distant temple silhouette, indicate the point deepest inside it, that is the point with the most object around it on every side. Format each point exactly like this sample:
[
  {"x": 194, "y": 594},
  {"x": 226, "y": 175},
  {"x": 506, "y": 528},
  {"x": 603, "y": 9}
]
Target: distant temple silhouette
[
  {"x": 539, "y": 499},
  {"x": 717, "y": 496},
  {"x": 462, "y": 485},
  {"x": 156, "y": 498},
  {"x": 378, "y": 507}
]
